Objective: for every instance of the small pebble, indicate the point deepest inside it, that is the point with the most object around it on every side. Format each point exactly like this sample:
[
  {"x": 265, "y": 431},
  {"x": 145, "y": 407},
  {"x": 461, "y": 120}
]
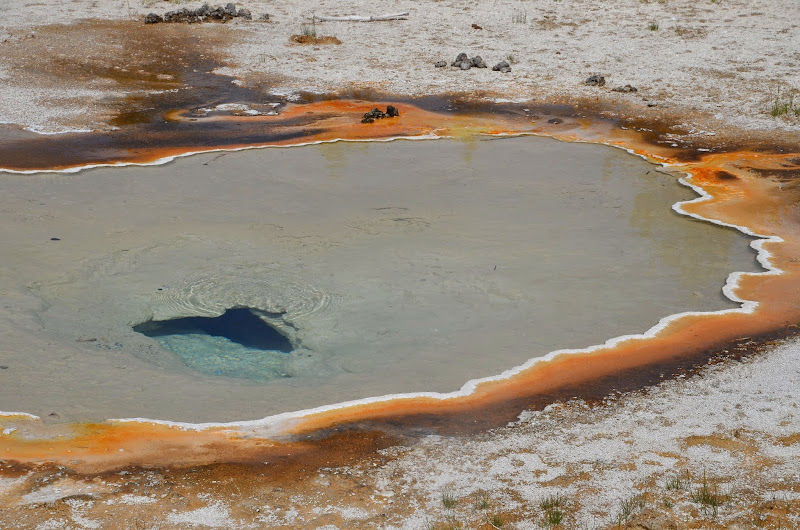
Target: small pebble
[{"x": 55, "y": 239}]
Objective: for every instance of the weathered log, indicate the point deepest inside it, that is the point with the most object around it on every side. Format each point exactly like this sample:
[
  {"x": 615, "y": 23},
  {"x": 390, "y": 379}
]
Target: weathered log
[{"x": 357, "y": 18}]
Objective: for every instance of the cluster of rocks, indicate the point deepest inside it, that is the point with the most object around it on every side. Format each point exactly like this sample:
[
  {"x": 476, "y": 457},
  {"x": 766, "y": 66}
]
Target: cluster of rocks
[
  {"x": 599, "y": 80},
  {"x": 595, "y": 80},
  {"x": 377, "y": 114},
  {"x": 205, "y": 13},
  {"x": 465, "y": 62},
  {"x": 625, "y": 89}
]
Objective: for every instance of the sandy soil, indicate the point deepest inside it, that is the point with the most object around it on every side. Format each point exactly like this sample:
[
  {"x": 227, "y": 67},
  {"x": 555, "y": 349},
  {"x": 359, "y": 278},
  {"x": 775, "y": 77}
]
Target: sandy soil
[
  {"x": 720, "y": 62},
  {"x": 636, "y": 460}
]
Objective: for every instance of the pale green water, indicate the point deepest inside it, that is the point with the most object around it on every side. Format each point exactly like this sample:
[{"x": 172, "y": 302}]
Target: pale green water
[{"x": 391, "y": 267}]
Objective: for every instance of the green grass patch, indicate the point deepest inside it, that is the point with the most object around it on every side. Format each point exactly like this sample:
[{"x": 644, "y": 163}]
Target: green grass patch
[
  {"x": 784, "y": 105},
  {"x": 708, "y": 496}
]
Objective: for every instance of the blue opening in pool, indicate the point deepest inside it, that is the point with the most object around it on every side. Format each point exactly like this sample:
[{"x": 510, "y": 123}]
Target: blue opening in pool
[{"x": 235, "y": 344}]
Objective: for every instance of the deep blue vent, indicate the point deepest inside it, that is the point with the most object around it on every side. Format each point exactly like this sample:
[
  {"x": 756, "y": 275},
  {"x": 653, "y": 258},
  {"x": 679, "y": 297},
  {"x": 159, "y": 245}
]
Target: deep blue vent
[{"x": 237, "y": 325}]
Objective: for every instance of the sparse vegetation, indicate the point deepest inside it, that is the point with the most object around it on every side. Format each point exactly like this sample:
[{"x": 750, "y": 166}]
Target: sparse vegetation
[
  {"x": 708, "y": 496},
  {"x": 308, "y": 35},
  {"x": 482, "y": 500},
  {"x": 519, "y": 17},
  {"x": 449, "y": 499},
  {"x": 553, "y": 507},
  {"x": 676, "y": 483},
  {"x": 554, "y": 517},
  {"x": 550, "y": 502},
  {"x": 497, "y": 521},
  {"x": 627, "y": 507},
  {"x": 653, "y": 26},
  {"x": 784, "y": 105},
  {"x": 452, "y": 524},
  {"x": 309, "y": 30}
]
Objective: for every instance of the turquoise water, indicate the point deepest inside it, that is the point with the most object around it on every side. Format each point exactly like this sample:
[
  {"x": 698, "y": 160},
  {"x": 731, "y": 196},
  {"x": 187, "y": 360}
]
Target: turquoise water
[{"x": 235, "y": 344}]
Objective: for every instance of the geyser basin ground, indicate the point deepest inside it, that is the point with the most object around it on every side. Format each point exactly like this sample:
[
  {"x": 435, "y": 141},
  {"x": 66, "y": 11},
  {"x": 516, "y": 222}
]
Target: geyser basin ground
[{"x": 391, "y": 267}]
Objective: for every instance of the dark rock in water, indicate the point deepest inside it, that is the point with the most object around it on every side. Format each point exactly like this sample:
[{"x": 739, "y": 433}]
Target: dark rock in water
[
  {"x": 460, "y": 58},
  {"x": 625, "y": 89},
  {"x": 4, "y": 367},
  {"x": 595, "y": 80},
  {"x": 477, "y": 62},
  {"x": 502, "y": 66},
  {"x": 440, "y": 64},
  {"x": 465, "y": 65},
  {"x": 55, "y": 239},
  {"x": 377, "y": 114},
  {"x": 555, "y": 121},
  {"x": 152, "y": 18},
  {"x": 374, "y": 114}
]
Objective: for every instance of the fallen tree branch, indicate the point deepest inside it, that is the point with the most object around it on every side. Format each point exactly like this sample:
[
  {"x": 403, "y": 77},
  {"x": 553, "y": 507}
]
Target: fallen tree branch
[{"x": 356, "y": 18}]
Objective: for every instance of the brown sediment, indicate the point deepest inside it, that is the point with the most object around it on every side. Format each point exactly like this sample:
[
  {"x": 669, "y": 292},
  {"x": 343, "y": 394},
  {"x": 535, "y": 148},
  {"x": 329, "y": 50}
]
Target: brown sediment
[
  {"x": 750, "y": 188},
  {"x": 313, "y": 39}
]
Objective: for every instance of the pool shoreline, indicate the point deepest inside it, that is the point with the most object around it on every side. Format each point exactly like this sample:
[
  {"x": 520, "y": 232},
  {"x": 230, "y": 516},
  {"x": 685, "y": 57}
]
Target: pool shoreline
[{"x": 506, "y": 395}]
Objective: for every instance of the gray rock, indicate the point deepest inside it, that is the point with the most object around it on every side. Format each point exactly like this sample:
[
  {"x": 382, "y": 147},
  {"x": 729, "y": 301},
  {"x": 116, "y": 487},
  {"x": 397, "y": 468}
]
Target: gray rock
[
  {"x": 466, "y": 65},
  {"x": 595, "y": 80},
  {"x": 245, "y": 14},
  {"x": 625, "y": 89},
  {"x": 459, "y": 59},
  {"x": 230, "y": 9},
  {"x": 477, "y": 62},
  {"x": 440, "y": 64},
  {"x": 502, "y": 66},
  {"x": 152, "y": 18}
]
